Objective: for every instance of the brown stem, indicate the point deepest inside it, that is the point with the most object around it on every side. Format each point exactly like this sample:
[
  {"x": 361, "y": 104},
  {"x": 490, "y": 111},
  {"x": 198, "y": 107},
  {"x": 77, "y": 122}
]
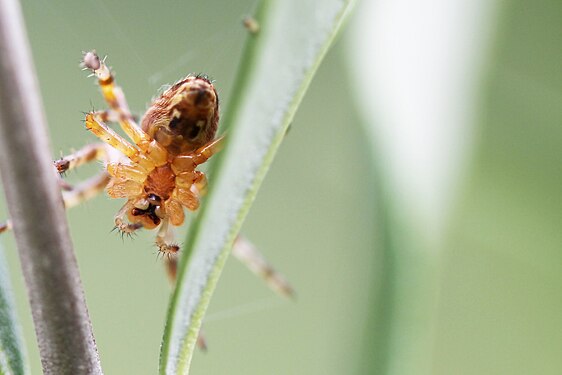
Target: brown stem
[{"x": 64, "y": 334}]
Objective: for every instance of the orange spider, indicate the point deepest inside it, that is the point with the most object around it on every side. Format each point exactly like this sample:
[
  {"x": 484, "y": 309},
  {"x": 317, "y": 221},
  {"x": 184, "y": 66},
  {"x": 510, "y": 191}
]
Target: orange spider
[
  {"x": 157, "y": 173},
  {"x": 158, "y": 177}
]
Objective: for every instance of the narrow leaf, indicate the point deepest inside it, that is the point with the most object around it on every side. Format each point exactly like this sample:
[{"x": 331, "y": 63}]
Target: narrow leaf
[
  {"x": 418, "y": 117},
  {"x": 276, "y": 69},
  {"x": 12, "y": 358}
]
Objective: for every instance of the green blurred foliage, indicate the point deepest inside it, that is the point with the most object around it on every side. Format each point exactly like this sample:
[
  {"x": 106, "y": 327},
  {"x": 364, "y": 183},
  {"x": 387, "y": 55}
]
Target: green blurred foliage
[{"x": 500, "y": 309}]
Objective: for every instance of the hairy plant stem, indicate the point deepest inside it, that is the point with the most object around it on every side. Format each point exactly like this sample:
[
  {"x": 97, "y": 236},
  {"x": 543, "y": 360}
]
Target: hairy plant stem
[{"x": 64, "y": 334}]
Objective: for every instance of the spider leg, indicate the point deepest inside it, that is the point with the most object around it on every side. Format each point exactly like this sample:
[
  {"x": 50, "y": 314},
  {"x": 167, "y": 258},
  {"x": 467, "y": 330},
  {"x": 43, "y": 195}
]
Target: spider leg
[
  {"x": 171, "y": 265},
  {"x": 115, "y": 98},
  {"x": 120, "y": 224},
  {"x": 187, "y": 163},
  {"x": 95, "y": 122},
  {"x": 94, "y": 151},
  {"x": 203, "y": 153},
  {"x": 250, "y": 256},
  {"x": 74, "y": 195},
  {"x": 85, "y": 190},
  {"x": 164, "y": 240},
  {"x": 152, "y": 156},
  {"x": 172, "y": 270},
  {"x": 169, "y": 251}
]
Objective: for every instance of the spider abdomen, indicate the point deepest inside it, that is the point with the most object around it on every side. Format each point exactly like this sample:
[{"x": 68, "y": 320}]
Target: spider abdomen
[{"x": 185, "y": 117}]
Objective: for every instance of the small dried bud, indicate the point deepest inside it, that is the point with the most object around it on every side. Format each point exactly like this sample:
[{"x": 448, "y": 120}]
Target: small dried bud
[
  {"x": 91, "y": 61},
  {"x": 251, "y": 24}
]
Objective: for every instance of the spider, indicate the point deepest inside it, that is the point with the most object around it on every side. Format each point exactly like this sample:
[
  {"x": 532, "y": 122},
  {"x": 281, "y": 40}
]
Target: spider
[{"x": 157, "y": 171}]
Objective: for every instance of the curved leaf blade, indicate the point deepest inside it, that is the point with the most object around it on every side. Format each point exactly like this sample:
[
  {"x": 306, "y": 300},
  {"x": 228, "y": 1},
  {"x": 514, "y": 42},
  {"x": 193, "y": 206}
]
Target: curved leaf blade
[
  {"x": 12, "y": 355},
  {"x": 276, "y": 69}
]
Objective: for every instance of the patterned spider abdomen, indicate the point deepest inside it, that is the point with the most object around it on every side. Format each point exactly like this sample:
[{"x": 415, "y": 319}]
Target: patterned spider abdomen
[{"x": 185, "y": 117}]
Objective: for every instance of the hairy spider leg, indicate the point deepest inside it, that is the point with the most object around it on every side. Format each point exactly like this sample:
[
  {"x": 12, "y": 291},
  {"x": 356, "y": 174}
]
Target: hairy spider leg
[
  {"x": 164, "y": 240},
  {"x": 85, "y": 190},
  {"x": 169, "y": 251},
  {"x": 249, "y": 255},
  {"x": 188, "y": 162},
  {"x": 154, "y": 156},
  {"x": 115, "y": 98},
  {"x": 74, "y": 195},
  {"x": 88, "y": 153},
  {"x": 203, "y": 153},
  {"x": 95, "y": 122}
]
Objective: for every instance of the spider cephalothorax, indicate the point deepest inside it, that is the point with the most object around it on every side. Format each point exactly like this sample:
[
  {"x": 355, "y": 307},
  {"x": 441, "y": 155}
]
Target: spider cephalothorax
[{"x": 157, "y": 173}]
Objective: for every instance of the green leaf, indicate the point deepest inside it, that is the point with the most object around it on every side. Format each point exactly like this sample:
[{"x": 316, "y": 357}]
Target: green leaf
[
  {"x": 418, "y": 116},
  {"x": 276, "y": 69},
  {"x": 12, "y": 358}
]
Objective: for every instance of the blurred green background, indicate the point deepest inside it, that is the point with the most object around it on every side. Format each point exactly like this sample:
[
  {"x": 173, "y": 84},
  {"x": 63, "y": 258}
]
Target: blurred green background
[{"x": 319, "y": 216}]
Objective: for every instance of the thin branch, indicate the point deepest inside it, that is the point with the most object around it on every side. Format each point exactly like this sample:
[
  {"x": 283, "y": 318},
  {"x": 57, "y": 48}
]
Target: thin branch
[{"x": 64, "y": 334}]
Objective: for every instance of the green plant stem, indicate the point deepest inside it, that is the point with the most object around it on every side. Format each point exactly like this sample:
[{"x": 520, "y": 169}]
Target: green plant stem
[{"x": 64, "y": 334}]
